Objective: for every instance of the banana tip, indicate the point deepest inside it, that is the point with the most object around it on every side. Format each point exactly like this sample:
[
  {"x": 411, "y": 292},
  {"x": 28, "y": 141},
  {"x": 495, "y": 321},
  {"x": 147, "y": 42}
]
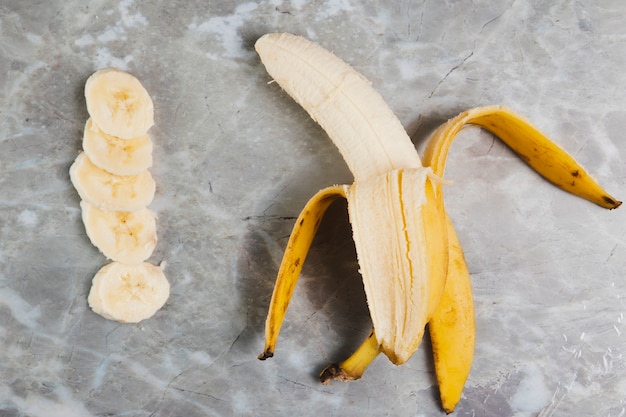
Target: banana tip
[
  {"x": 334, "y": 371},
  {"x": 448, "y": 407},
  {"x": 265, "y": 355},
  {"x": 329, "y": 373},
  {"x": 609, "y": 202}
]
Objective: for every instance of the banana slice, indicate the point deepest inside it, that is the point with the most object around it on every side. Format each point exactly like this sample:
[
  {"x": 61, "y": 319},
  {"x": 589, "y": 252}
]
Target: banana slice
[
  {"x": 128, "y": 293},
  {"x": 124, "y": 236},
  {"x": 118, "y": 103},
  {"x": 109, "y": 191},
  {"x": 116, "y": 155}
]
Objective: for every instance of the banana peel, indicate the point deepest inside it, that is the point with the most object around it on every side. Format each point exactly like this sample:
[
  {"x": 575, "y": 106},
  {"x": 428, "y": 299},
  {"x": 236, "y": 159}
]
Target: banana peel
[{"x": 414, "y": 272}]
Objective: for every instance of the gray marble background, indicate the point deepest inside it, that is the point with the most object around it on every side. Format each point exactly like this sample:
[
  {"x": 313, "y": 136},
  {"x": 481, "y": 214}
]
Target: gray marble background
[{"x": 235, "y": 161}]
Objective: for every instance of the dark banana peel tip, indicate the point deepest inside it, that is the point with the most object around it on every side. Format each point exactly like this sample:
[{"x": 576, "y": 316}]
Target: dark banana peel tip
[
  {"x": 329, "y": 373},
  {"x": 334, "y": 372},
  {"x": 613, "y": 203},
  {"x": 265, "y": 355}
]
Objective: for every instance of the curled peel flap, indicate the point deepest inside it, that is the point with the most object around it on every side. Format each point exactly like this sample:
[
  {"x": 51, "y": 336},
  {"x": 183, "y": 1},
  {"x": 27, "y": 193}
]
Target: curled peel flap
[
  {"x": 540, "y": 153},
  {"x": 296, "y": 252}
]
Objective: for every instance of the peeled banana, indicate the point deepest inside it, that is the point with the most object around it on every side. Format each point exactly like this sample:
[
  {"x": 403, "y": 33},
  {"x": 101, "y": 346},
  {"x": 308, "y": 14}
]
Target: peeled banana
[
  {"x": 113, "y": 181},
  {"x": 413, "y": 268}
]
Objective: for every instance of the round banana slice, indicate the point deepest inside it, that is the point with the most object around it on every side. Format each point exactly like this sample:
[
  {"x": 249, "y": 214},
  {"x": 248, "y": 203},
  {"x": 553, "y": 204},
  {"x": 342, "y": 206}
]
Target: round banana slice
[
  {"x": 124, "y": 236},
  {"x": 118, "y": 103},
  {"x": 116, "y": 155},
  {"x": 109, "y": 191},
  {"x": 128, "y": 293}
]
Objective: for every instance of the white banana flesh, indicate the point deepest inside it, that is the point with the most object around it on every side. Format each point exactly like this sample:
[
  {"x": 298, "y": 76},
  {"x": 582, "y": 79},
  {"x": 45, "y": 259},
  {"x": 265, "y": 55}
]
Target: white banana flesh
[
  {"x": 113, "y": 180},
  {"x": 118, "y": 103},
  {"x": 128, "y": 293},
  {"x": 342, "y": 101},
  {"x": 109, "y": 191},
  {"x": 124, "y": 236},
  {"x": 115, "y": 155},
  {"x": 394, "y": 265}
]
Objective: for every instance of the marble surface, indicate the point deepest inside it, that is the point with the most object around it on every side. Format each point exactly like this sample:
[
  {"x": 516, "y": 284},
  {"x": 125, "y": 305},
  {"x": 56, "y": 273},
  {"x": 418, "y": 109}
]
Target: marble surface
[{"x": 235, "y": 161}]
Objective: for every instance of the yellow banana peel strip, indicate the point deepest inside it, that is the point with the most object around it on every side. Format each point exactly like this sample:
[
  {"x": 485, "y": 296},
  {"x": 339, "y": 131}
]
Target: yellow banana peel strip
[
  {"x": 452, "y": 327},
  {"x": 413, "y": 268},
  {"x": 540, "y": 153},
  {"x": 296, "y": 252}
]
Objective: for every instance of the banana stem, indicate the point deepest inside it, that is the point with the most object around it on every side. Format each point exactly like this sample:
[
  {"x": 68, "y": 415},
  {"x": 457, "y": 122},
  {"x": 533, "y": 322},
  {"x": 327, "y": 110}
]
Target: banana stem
[{"x": 354, "y": 366}]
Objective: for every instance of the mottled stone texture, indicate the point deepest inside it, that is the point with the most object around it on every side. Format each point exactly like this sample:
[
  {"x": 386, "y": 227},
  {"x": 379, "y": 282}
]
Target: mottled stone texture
[{"x": 235, "y": 161}]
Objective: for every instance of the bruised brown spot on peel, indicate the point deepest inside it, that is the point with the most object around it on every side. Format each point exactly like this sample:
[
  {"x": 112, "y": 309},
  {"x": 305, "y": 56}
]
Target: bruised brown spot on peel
[
  {"x": 575, "y": 173},
  {"x": 291, "y": 286},
  {"x": 289, "y": 291},
  {"x": 609, "y": 200}
]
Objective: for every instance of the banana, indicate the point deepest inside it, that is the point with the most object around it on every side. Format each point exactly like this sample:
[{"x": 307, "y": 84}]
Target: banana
[
  {"x": 412, "y": 264},
  {"x": 115, "y": 155},
  {"x": 118, "y": 103},
  {"x": 109, "y": 191},
  {"x": 125, "y": 236},
  {"x": 393, "y": 195},
  {"x": 128, "y": 293}
]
